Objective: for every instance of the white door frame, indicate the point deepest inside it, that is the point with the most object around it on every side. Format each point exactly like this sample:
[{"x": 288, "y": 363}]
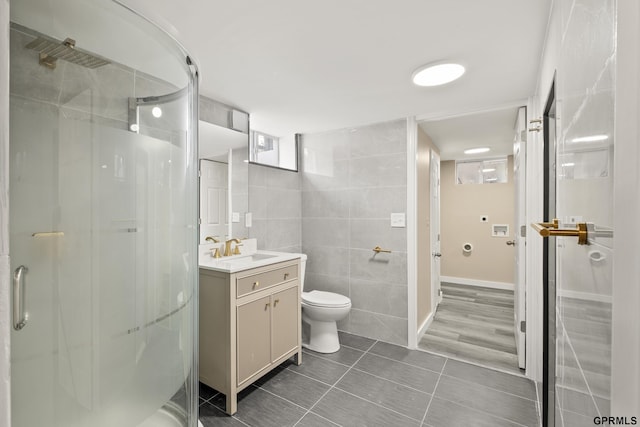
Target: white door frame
[
  {"x": 434, "y": 231},
  {"x": 412, "y": 229},
  {"x": 519, "y": 162}
]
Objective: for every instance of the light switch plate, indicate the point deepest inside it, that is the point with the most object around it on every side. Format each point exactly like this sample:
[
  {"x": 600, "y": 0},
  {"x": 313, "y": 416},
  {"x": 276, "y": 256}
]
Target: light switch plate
[
  {"x": 235, "y": 217},
  {"x": 398, "y": 220},
  {"x": 247, "y": 219}
]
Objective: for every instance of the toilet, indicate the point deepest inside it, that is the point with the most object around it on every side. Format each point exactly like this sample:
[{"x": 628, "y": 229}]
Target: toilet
[{"x": 320, "y": 311}]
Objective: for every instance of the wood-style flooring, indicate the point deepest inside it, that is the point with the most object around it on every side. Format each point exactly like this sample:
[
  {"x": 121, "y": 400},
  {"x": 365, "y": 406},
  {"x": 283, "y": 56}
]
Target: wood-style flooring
[{"x": 474, "y": 324}]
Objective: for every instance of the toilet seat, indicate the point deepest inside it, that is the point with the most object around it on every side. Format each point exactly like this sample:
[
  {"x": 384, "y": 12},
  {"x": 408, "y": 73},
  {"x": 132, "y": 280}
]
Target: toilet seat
[{"x": 325, "y": 299}]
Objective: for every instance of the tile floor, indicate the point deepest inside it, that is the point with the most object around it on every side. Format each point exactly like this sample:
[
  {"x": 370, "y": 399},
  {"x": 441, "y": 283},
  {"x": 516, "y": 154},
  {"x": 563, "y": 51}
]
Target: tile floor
[{"x": 372, "y": 383}]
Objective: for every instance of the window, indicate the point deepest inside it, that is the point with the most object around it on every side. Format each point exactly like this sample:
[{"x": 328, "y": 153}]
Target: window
[{"x": 490, "y": 171}]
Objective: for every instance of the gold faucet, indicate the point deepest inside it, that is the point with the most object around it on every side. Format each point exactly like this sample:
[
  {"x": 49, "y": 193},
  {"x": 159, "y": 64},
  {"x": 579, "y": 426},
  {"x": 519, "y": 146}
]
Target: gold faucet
[
  {"x": 227, "y": 246},
  {"x": 211, "y": 239}
]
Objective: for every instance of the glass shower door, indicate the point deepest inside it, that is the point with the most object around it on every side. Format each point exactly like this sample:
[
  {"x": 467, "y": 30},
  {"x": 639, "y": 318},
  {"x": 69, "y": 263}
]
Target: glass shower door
[{"x": 103, "y": 231}]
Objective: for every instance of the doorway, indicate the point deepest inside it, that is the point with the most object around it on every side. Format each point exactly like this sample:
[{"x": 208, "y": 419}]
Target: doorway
[{"x": 474, "y": 314}]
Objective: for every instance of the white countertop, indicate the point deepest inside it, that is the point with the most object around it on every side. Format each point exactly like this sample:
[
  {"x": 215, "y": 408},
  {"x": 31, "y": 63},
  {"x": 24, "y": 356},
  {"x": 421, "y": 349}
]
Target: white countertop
[{"x": 235, "y": 263}]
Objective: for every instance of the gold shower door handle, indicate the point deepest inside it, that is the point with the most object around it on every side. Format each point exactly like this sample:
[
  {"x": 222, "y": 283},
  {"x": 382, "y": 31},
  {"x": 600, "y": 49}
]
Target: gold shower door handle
[
  {"x": 550, "y": 229},
  {"x": 378, "y": 249}
]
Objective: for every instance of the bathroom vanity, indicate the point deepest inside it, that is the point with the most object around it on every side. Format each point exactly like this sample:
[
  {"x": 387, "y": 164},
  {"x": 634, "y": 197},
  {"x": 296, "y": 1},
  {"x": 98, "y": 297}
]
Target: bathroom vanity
[{"x": 249, "y": 319}]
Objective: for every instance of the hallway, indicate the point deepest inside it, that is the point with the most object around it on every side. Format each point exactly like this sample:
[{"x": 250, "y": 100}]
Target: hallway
[{"x": 475, "y": 324}]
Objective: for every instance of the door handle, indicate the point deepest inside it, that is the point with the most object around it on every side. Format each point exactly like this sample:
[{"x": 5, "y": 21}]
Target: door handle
[
  {"x": 511, "y": 242},
  {"x": 437, "y": 254},
  {"x": 19, "y": 316},
  {"x": 550, "y": 229}
]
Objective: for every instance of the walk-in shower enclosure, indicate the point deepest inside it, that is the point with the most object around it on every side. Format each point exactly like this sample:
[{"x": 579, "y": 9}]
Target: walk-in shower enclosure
[{"x": 102, "y": 220}]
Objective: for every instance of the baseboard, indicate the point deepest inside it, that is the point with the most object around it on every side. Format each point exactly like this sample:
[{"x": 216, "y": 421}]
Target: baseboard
[
  {"x": 425, "y": 325},
  {"x": 474, "y": 282},
  {"x": 585, "y": 296}
]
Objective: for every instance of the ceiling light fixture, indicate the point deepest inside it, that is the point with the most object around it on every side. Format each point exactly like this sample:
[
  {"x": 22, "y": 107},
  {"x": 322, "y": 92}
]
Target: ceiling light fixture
[
  {"x": 437, "y": 74},
  {"x": 157, "y": 112},
  {"x": 479, "y": 150},
  {"x": 591, "y": 138}
]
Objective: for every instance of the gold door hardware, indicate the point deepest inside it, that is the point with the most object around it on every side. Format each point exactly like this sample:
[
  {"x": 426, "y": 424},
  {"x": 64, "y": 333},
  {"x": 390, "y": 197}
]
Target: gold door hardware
[
  {"x": 286, "y": 276},
  {"x": 266, "y": 306},
  {"x": 536, "y": 128},
  {"x": 276, "y": 302},
  {"x": 511, "y": 243},
  {"x": 256, "y": 284},
  {"x": 546, "y": 229},
  {"x": 48, "y": 234},
  {"x": 378, "y": 249}
]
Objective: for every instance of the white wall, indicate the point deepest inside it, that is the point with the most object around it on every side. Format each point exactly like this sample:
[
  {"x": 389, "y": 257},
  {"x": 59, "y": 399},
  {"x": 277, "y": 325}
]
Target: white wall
[
  {"x": 5, "y": 332},
  {"x": 626, "y": 271}
]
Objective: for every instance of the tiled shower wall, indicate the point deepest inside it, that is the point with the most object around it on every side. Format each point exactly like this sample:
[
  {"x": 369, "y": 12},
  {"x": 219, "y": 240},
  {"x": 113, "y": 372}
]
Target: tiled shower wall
[
  {"x": 585, "y": 93},
  {"x": 352, "y": 180}
]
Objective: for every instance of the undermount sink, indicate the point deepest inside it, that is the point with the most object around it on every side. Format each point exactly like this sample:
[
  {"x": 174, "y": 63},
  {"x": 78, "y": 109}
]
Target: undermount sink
[{"x": 249, "y": 258}]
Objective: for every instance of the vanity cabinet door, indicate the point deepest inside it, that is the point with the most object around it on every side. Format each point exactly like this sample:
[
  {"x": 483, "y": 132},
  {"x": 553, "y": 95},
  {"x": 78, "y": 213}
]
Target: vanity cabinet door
[
  {"x": 253, "y": 339},
  {"x": 284, "y": 322}
]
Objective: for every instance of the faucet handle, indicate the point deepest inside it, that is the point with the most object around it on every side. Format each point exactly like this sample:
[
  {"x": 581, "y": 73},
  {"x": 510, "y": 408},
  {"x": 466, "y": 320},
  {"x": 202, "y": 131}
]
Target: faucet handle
[
  {"x": 216, "y": 253},
  {"x": 236, "y": 250}
]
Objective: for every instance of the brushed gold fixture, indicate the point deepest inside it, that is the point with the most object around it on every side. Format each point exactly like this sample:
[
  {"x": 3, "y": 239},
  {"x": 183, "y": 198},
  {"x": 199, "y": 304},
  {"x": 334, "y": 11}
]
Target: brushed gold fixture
[
  {"x": 256, "y": 284},
  {"x": 212, "y": 239},
  {"x": 48, "y": 234},
  {"x": 378, "y": 249},
  {"x": 216, "y": 253},
  {"x": 236, "y": 250},
  {"x": 511, "y": 243},
  {"x": 266, "y": 306},
  {"x": 276, "y": 302},
  {"x": 286, "y": 276},
  {"x": 227, "y": 246},
  {"x": 50, "y": 51},
  {"x": 550, "y": 229}
]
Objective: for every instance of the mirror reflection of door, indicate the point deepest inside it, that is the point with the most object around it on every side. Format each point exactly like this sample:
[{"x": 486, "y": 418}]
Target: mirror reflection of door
[{"x": 214, "y": 213}]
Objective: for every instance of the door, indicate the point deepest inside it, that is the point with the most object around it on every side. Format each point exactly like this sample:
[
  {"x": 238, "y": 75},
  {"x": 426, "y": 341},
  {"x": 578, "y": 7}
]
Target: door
[
  {"x": 434, "y": 166},
  {"x": 518, "y": 242},
  {"x": 214, "y": 215},
  {"x": 254, "y": 337},
  {"x": 284, "y": 322}
]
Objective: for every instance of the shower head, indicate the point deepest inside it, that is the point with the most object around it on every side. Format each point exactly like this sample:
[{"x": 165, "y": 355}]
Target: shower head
[{"x": 51, "y": 51}]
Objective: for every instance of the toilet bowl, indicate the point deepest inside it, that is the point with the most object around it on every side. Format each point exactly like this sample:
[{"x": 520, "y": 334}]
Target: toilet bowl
[{"x": 320, "y": 311}]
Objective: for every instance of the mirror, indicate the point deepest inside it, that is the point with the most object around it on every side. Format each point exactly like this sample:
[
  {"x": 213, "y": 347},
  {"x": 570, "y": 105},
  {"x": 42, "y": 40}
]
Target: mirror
[
  {"x": 276, "y": 152},
  {"x": 224, "y": 183}
]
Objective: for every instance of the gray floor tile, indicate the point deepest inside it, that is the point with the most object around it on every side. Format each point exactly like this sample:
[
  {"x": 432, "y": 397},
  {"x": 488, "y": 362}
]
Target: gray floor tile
[
  {"x": 210, "y": 416},
  {"x": 320, "y": 369},
  {"x": 411, "y": 376},
  {"x": 257, "y": 407},
  {"x": 206, "y": 392},
  {"x": 443, "y": 413},
  {"x": 355, "y": 341},
  {"x": 407, "y": 401},
  {"x": 499, "y": 404},
  {"x": 519, "y": 386},
  {"x": 412, "y": 357},
  {"x": 347, "y": 410},
  {"x": 296, "y": 388},
  {"x": 346, "y": 355},
  {"x": 313, "y": 420}
]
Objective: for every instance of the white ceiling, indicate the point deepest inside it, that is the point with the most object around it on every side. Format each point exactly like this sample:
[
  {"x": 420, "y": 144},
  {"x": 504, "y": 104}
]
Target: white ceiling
[
  {"x": 299, "y": 66},
  {"x": 492, "y": 129}
]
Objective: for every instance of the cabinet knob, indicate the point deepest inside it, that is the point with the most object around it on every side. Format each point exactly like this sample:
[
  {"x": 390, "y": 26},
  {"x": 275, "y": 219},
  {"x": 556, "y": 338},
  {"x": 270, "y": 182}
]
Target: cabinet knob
[
  {"x": 266, "y": 306},
  {"x": 286, "y": 276},
  {"x": 276, "y": 302},
  {"x": 256, "y": 284}
]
